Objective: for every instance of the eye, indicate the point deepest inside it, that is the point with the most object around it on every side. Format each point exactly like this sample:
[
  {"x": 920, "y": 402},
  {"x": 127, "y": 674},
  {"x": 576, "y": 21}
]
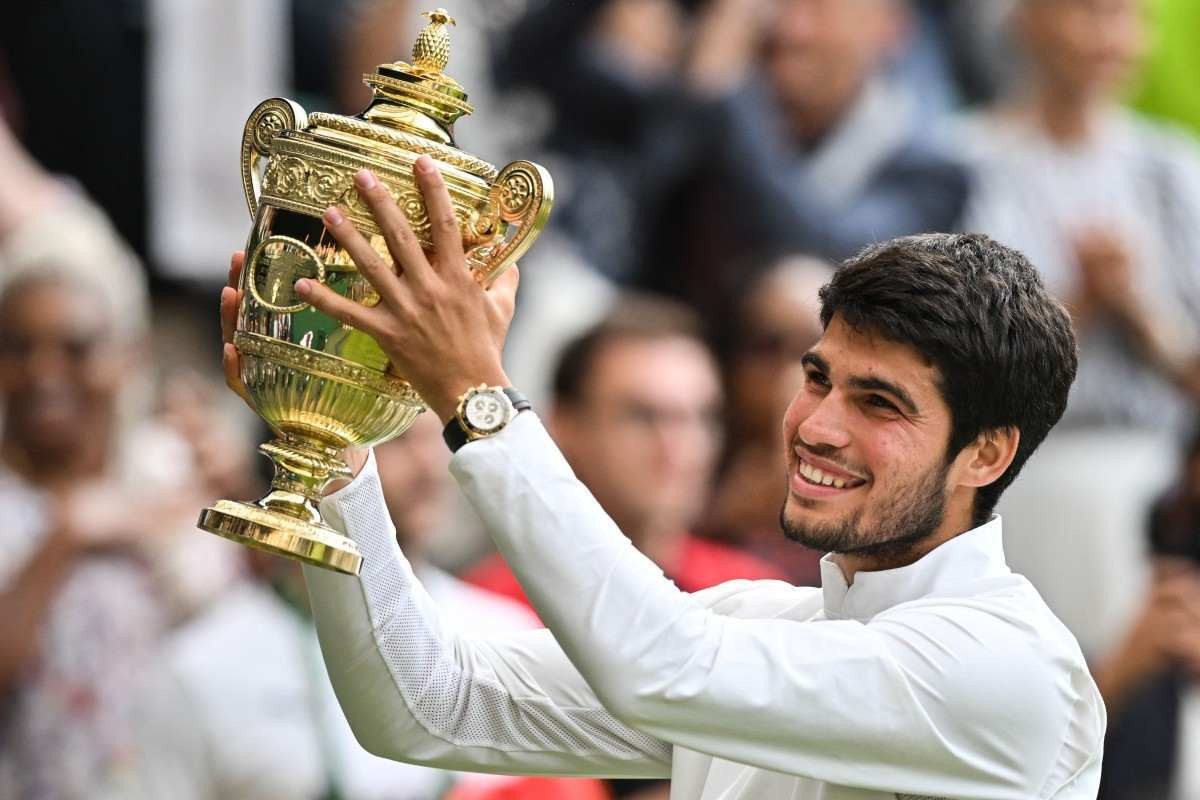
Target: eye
[
  {"x": 816, "y": 378},
  {"x": 882, "y": 403}
]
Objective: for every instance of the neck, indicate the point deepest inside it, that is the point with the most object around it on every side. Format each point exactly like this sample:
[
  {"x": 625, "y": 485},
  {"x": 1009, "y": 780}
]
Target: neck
[
  {"x": 813, "y": 123},
  {"x": 57, "y": 466},
  {"x": 1067, "y": 116},
  {"x": 958, "y": 520}
]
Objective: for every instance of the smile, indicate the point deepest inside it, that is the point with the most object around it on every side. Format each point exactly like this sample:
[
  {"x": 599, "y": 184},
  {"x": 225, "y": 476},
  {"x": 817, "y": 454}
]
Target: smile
[
  {"x": 813, "y": 481},
  {"x": 822, "y": 478}
]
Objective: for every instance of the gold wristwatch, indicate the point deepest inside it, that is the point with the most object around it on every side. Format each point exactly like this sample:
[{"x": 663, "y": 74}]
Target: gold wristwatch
[{"x": 483, "y": 411}]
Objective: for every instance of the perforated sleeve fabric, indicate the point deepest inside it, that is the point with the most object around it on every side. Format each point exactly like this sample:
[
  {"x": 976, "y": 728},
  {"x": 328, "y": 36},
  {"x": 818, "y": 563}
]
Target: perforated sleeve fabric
[{"x": 414, "y": 689}]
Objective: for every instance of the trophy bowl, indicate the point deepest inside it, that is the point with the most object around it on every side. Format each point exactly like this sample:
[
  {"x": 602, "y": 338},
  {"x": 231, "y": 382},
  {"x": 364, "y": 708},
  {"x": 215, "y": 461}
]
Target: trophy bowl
[{"x": 321, "y": 385}]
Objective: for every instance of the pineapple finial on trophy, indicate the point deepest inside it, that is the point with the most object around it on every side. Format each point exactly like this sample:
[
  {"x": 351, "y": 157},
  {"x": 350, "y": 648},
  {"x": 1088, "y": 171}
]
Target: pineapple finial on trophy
[{"x": 431, "y": 52}]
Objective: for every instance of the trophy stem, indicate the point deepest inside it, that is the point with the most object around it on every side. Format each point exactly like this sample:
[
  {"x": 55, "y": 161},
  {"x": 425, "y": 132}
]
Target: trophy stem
[
  {"x": 288, "y": 520},
  {"x": 303, "y": 468}
]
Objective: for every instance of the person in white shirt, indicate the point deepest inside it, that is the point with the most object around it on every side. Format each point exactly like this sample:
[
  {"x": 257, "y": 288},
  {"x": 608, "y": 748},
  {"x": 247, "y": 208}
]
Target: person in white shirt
[
  {"x": 922, "y": 668},
  {"x": 262, "y": 720}
]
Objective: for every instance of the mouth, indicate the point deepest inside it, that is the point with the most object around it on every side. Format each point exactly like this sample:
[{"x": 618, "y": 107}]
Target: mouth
[{"x": 821, "y": 481}]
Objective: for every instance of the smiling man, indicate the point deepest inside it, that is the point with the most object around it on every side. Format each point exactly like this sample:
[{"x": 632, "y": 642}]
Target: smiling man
[{"x": 923, "y": 667}]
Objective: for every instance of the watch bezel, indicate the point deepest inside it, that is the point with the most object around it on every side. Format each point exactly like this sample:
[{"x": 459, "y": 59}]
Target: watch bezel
[{"x": 474, "y": 431}]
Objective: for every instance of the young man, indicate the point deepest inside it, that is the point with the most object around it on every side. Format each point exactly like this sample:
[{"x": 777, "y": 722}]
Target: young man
[{"x": 923, "y": 667}]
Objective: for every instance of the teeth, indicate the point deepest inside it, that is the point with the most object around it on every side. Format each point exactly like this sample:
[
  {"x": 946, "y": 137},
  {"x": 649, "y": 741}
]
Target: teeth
[{"x": 820, "y": 477}]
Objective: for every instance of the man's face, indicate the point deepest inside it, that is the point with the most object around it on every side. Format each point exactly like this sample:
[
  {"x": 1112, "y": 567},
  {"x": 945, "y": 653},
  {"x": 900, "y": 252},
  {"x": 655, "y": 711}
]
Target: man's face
[
  {"x": 821, "y": 51},
  {"x": 645, "y": 435},
  {"x": 415, "y": 479},
  {"x": 866, "y": 440},
  {"x": 1084, "y": 46},
  {"x": 60, "y": 370}
]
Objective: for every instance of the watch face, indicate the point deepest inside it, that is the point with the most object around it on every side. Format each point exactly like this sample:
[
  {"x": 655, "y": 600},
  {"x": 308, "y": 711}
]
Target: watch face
[{"x": 486, "y": 410}]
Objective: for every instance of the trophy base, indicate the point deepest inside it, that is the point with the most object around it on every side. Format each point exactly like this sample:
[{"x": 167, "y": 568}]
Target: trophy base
[{"x": 273, "y": 532}]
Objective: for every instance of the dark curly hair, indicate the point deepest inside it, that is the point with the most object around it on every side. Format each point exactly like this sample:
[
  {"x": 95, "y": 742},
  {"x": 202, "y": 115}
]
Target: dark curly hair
[{"x": 978, "y": 312}]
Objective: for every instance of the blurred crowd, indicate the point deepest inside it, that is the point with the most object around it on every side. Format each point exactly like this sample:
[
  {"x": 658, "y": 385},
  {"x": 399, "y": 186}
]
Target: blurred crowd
[{"x": 714, "y": 160}]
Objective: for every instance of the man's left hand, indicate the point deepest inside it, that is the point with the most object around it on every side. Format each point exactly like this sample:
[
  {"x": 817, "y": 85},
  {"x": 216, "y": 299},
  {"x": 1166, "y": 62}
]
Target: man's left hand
[{"x": 442, "y": 331}]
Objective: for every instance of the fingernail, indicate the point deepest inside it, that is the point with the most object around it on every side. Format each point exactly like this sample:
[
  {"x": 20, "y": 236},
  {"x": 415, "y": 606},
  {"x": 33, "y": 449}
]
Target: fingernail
[
  {"x": 365, "y": 179},
  {"x": 425, "y": 165},
  {"x": 302, "y": 287},
  {"x": 333, "y": 216}
]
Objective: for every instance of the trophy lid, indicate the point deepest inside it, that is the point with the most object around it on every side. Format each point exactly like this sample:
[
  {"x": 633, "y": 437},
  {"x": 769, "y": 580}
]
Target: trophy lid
[
  {"x": 423, "y": 84},
  {"x": 415, "y": 105}
]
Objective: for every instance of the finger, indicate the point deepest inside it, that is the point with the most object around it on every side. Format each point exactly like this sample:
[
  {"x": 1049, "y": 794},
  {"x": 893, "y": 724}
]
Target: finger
[
  {"x": 447, "y": 238},
  {"x": 401, "y": 241},
  {"x": 340, "y": 308},
  {"x": 371, "y": 265},
  {"x": 504, "y": 291},
  {"x": 229, "y": 309},
  {"x": 231, "y": 365},
  {"x": 235, "y": 267}
]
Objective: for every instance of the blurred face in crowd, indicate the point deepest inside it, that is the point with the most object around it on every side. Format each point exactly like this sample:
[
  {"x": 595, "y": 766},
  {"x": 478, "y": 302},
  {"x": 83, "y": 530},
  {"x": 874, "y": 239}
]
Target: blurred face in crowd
[
  {"x": 416, "y": 481},
  {"x": 820, "y": 52},
  {"x": 60, "y": 368},
  {"x": 780, "y": 321},
  {"x": 644, "y": 434},
  {"x": 1083, "y": 47},
  {"x": 866, "y": 440}
]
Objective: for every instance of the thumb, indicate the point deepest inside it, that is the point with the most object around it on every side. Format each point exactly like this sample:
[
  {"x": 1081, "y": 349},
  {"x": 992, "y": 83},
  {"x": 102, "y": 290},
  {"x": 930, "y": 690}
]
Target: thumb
[{"x": 504, "y": 290}]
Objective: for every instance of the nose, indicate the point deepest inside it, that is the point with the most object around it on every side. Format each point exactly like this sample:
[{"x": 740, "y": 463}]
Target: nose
[{"x": 824, "y": 424}]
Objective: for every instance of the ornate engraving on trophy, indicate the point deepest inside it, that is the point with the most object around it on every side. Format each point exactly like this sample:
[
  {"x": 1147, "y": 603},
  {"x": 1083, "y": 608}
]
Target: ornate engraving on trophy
[
  {"x": 322, "y": 385},
  {"x": 276, "y": 265}
]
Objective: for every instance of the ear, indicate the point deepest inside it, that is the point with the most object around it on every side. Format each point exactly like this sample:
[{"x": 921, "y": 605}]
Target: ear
[{"x": 983, "y": 461}]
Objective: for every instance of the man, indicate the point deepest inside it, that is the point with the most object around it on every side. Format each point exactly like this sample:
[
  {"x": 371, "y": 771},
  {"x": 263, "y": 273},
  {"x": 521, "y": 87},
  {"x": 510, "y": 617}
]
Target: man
[
  {"x": 247, "y": 675},
  {"x": 923, "y": 667},
  {"x": 93, "y": 561},
  {"x": 636, "y": 411},
  {"x": 1106, "y": 204},
  {"x": 759, "y": 128}
]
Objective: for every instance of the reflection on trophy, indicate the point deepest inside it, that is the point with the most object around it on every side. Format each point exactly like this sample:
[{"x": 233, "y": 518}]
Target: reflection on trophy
[{"x": 323, "y": 386}]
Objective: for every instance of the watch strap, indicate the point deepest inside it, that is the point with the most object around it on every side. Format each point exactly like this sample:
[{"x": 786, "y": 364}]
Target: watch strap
[{"x": 455, "y": 435}]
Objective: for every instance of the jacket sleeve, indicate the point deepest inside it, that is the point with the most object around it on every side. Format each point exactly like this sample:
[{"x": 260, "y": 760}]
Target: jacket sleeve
[{"x": 414, "y": 689}]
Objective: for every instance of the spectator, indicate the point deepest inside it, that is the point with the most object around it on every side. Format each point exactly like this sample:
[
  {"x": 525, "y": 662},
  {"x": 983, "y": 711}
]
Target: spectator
[
  {"x": 91, "y": 570},
  {"x": 809, "y": 148},
  {"x": 777, "y": 322},
  {"x": 636, "y": 411},
  {"x": 1106, "y": 204},
  {"x": 1149, "y": 679},
  {"x": 247, "y": 675}
]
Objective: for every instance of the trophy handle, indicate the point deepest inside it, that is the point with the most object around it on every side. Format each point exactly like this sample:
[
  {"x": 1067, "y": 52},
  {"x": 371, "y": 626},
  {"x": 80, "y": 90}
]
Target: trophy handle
[
  {"x": 522, "y": 195},
  {"x": 269, "y": 119}
]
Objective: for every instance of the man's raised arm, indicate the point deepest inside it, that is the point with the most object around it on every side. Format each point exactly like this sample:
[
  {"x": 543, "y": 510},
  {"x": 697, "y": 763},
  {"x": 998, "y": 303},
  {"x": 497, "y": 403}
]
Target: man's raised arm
[{"x": 415, "y": 690}]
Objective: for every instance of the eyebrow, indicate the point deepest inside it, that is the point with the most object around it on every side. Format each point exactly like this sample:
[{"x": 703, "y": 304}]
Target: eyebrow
[{"x": 869, "y": 384}]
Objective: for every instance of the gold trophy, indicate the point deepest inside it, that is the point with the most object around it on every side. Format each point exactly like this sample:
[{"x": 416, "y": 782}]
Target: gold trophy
[{"x": 321, "y": 385}]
